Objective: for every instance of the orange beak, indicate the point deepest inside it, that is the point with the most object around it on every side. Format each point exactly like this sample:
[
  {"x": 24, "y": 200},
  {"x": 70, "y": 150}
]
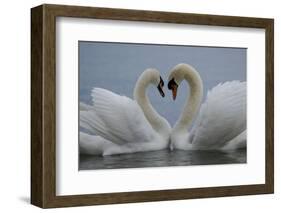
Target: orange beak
[
  {"x": 172, "y": 85},
  {"x": 174, "y": 91}
]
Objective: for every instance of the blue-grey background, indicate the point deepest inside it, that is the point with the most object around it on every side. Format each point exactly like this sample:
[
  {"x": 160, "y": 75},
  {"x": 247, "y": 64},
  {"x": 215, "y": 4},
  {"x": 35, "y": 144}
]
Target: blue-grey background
[{"x": 116, "y": 67}]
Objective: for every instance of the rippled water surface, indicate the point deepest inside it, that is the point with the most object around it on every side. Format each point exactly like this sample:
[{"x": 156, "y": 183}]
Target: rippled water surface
[{"x": 162, "y": 158}]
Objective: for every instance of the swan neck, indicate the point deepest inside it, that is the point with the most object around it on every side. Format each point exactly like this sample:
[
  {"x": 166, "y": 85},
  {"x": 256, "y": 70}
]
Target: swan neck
[
  {"x": 157, "y": 122},
  {"x": 193, "y": 102}
]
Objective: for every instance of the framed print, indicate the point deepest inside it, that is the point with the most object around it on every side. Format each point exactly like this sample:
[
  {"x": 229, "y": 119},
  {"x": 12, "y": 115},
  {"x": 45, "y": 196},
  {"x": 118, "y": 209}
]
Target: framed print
[{"x": 136, "y": 106}]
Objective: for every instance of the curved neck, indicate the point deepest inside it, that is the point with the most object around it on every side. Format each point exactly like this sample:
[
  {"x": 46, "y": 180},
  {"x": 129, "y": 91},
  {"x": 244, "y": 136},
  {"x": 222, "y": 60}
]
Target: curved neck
[
  {"x": 157, "y": 122},
  {"x": 193, "y": 102}
]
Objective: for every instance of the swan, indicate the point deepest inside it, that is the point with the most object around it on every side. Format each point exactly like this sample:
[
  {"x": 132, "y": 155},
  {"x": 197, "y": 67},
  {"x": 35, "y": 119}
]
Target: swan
[
  {"x": 123, "y": 125},
  {"x": 221, "y": 120}
]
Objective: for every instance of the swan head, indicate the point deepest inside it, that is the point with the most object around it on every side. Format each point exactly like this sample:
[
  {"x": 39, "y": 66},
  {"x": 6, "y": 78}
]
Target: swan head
[
  {"x": 177, "y": 75},
  {"x": 153, "y": 76},
  {"x": 175, "y": 78}
]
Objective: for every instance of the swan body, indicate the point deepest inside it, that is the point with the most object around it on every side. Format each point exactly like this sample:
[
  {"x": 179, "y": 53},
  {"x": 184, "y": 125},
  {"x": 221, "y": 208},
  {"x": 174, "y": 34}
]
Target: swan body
[
  {"x": 93, "y": 144},
  {"x": 221, "y": 119},
  {"x": 126, "y": 125},
  {"x": 239, "y": 142}
]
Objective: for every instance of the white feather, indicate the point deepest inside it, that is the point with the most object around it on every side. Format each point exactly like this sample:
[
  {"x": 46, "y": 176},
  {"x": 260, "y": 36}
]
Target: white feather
[
  {"x": 84, "y": 107},
  {"x": 118, "y": 121},
  {"x": 130, "y": 125},
  {"x": 222, "y": 117},
  {"x": 93, "y": 144},
  {"x": 119, "y": 118}
]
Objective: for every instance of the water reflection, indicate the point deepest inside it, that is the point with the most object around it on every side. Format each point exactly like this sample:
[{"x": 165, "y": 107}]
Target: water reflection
[{"x": 162, "y": 158}]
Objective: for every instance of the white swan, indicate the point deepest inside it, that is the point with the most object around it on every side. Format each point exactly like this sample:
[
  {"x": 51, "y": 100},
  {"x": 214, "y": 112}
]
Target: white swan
[
  {"x": 123, "y": 124},
  {"x": 221, "y": 122}
]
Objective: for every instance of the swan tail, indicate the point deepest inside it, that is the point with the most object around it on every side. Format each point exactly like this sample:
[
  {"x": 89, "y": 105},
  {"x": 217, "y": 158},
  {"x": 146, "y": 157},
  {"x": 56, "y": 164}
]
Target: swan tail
[{"x": 93, "y": 144}]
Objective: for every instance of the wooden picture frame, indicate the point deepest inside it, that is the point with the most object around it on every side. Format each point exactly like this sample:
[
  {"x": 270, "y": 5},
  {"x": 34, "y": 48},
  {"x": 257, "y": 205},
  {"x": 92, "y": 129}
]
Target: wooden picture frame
[{"x": 43, "y": 105}]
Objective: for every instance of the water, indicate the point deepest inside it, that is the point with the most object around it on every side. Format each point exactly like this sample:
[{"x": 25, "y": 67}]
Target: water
[{"x": 162, "y": 158}]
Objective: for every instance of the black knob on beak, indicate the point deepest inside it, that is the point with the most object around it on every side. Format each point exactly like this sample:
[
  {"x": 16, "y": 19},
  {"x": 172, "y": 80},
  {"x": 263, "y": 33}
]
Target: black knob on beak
[{"x": 160, "y": 86}]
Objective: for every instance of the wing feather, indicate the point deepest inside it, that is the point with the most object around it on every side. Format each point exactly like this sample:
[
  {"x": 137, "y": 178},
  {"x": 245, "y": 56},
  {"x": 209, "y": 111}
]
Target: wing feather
[
  {"x": 116, "y": 118},
  {"x": 221, "y": 117},
  {"x": 90, "y": 121},
  {"x": 84, "y": 107}
]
